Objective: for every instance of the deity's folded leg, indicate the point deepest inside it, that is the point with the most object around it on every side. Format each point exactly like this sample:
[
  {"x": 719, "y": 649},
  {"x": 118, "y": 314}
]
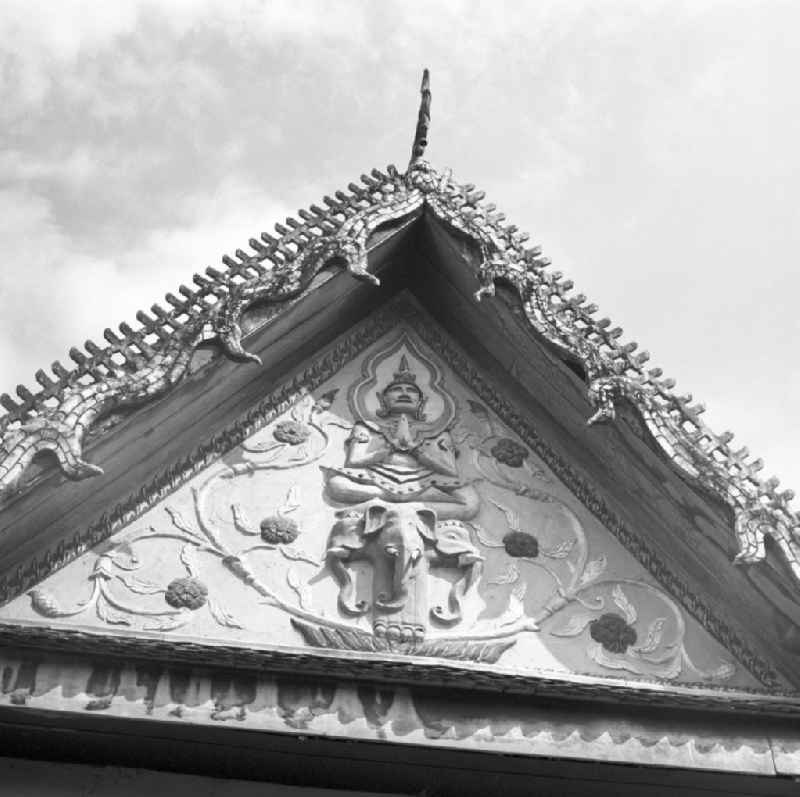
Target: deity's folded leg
[
  {"x": 347, "y": 491},
  {"x": 463, "y": 504}
]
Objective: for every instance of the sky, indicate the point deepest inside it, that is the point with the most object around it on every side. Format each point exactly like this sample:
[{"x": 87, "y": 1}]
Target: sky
[{"x": 650, "y": 148}]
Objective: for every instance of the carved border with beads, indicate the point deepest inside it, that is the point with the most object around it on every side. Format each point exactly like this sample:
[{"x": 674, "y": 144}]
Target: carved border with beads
[{"x": 396, "y": 669}]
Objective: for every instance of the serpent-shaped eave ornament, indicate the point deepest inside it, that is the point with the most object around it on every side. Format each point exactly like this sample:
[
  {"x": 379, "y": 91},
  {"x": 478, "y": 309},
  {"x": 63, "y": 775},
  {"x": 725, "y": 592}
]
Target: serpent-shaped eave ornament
[
  {"x": 341, "y": 233},
  {"x": 615, "y": 373}
]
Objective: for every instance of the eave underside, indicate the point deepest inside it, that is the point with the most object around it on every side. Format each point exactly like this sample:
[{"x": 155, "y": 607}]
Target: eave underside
[{"x": 380, "y": 737}]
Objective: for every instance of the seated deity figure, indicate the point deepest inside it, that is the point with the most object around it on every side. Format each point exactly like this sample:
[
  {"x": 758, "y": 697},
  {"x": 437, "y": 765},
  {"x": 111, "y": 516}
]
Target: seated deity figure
[{"x": 396, "y": 463}]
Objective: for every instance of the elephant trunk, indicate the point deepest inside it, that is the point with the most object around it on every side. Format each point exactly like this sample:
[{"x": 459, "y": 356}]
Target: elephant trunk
[
  {"x": 347, "y": 603},
  {"x": 405, "y": 560},
  {"x": 452, "y": 613}
]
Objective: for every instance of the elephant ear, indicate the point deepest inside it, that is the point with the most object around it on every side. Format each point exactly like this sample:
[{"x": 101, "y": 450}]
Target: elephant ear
[
  {"x": 453, "y": 539},
  {"x": 346, "y": 533},
  {"x": 374, "y": 518},
  {"x": 427, "y": 523}
]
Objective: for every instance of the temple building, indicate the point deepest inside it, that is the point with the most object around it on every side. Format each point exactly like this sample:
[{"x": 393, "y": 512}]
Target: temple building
[{"x": 382, "y": 507}]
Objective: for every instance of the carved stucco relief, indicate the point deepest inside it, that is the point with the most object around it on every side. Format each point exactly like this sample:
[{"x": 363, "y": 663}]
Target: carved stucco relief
[{"x": 388, "y": 512}]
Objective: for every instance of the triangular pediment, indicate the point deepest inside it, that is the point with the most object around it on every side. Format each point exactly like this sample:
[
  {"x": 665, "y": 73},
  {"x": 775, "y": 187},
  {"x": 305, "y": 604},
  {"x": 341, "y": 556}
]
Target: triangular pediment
[{"x": 389, "y": 500}]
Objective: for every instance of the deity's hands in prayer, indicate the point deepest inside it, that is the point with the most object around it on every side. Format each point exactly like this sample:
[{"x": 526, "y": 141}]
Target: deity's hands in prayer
[{"x": 393, "y": 462}]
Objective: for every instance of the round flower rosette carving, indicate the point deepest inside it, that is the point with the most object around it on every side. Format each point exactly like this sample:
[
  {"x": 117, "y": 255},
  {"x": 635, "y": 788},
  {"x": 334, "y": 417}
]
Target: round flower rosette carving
[
  {"x": 296, "y": 437},
  {"x": 186, "y": 593},
  {"x": 279, "y": 530},
  {"x": 501, "y": 458},
  {"x": 614, "y": 633},
  {"x": 632, "y": 626},
  {"x": 291, "y": 432},
  {"x": 521, "y": 545},
  {"x": 509, "y": 452},
  {"x": 624, "y": 625},
  {"x": 539, "y": 552}
]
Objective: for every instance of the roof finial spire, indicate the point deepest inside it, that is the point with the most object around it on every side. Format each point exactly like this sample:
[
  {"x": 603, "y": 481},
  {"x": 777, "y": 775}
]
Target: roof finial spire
[{"x": 423, "y": 120}]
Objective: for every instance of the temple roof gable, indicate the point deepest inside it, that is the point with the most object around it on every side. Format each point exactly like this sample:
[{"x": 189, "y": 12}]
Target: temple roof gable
[{"x": 281, "y": 300}]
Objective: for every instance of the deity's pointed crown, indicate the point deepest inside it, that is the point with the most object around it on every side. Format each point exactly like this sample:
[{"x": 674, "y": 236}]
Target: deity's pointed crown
[{"x": 404, "y": 375}]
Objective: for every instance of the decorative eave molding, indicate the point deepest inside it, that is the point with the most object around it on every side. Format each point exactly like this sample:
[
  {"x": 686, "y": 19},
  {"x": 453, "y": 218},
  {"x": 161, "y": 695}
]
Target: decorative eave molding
[
  {"x": 147, "y": 362},
  {"x": 35, "y": 639}
]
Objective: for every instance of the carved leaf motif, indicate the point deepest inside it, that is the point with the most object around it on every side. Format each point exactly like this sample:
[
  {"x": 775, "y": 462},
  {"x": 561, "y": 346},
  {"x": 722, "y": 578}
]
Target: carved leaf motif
[
  {"x": 292, "y": 501},
  {"x": 264, "y": 447},
  {"x": 355, "y": 639},
  {"x": 593, "y": 569},
  {"x": 302, "y": 454},
  {"x": 512, "y": 518},
  {"x": 302, "y": 410},
  {"x": 483, "y": 538},
  {"x": 508, "y": 576},
  {"x": 721, "y": 673},
  {"x": 724, "y": 671},
  {"x": 478, "y": 409},
  {"x": 169, "y": 623},
  {"x": 109, "y": 615},
  {"x": 325, "y": 401},
  {"x": 653, "y": 639},
  {"x": 124, "y": 557},
  {"x": 44, "y": 602},
  {"x": 611, "y": 661},
  {"x": 540, "y": 473},
  {"x": 140, "y": 585},
  {"x": 625, "y": 606},
  {"x": 668, "y": 670},
  {"x": 242, "y": 522},
  {"x": 103, "y": 568},
  {"x": 516, "y": 608},
  {"x": 222, "y": 616},
  {"x": 340, "y": 638},
  {"x": 531, "y": 492},
  {"x": 179, "y": 522},
  {"x": 341, "y": 423},
  {"x": 667, "y": 654},
  {"x": 300, "y": 589},
  {"x": 481, "y": 652},
  {"x": 297, "y": 554},
  {"x": 577, "y": 623},
  {"x": 187, "y": 557},
  {"x": 561, "y": 551}
]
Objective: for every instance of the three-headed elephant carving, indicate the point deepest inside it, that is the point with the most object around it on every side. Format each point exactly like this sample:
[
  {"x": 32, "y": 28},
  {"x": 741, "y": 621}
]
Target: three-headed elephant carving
[{"x": 401, "y": 542}]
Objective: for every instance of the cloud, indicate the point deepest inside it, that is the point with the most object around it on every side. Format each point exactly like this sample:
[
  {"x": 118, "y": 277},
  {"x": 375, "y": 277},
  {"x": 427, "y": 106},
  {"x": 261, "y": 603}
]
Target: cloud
[
  {"x": 78, "y": 167},
  {"x": 41, "y": 39},
  {"x": 55, "y": 293}
]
